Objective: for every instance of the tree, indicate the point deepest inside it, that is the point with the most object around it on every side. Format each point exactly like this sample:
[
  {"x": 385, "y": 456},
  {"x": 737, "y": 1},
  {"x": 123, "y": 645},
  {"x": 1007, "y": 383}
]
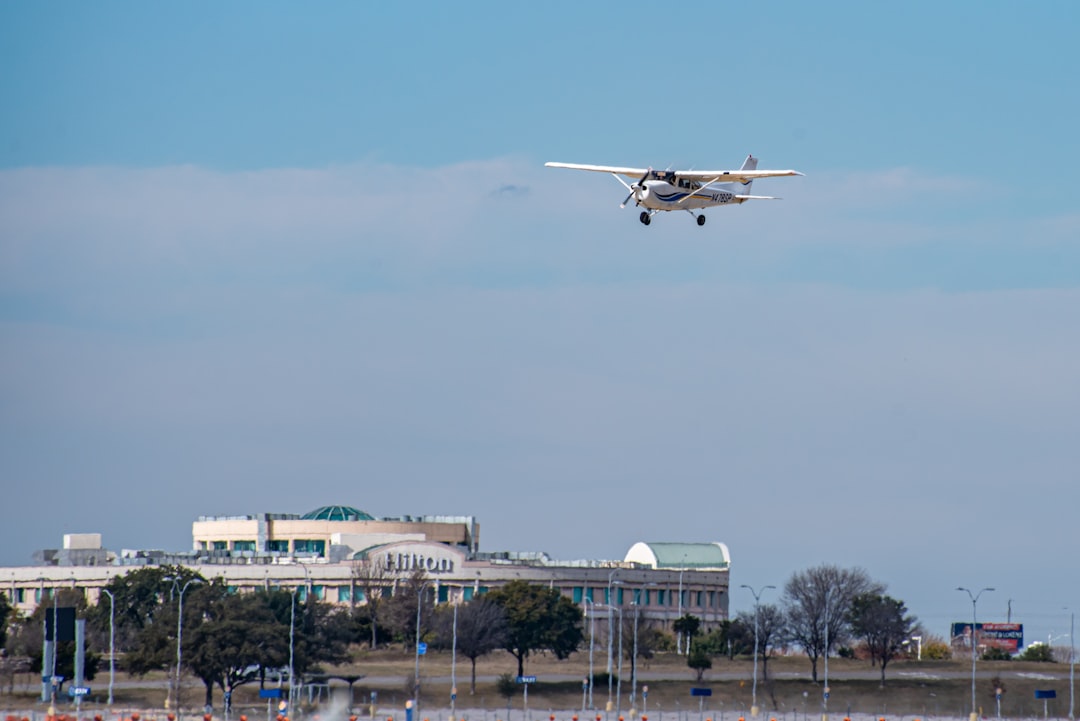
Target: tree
[
  {"x": 26, "y": 639},
  {"x": 148, "y": 605},
  {"x": 883, "y": 624},
  {"x": 399, "y": 611},
  {"x": 373, "y": 579},
  {"x": 687, "y": 625},
  {"x": 239, "y": 636},
  {"x": 5, "y": 611},
  {"x": 1037, "y": 652},
  {"x": 816, "y": 604},
  {"x": 770, "y": 632},
  {"x": 699, "y": 661},
  {"x": 538, "y": 618},
  {"x": 481, "y": 628}
]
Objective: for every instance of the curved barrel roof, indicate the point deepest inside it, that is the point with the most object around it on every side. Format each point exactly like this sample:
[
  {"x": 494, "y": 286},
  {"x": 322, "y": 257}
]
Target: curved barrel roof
[{"x": 699, "y": 556}]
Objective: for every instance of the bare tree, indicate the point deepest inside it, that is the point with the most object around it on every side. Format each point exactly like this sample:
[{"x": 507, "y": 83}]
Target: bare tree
[
  {"x": 817, "y": 603},
  {"x": 481, "y": 628},
  {"x": 770, "y": 632},
  {"x": 373, "y": 579}
]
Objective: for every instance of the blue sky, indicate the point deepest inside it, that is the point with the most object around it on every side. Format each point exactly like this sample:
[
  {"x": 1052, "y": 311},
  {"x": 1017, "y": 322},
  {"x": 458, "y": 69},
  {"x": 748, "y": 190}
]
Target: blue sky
[{"x": 262, "y": 257}]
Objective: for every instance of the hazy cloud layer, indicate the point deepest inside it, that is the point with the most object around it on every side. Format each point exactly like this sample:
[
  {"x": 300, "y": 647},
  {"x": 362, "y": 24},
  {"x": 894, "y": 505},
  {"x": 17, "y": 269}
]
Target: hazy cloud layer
[{"x": 500, "y": 340}]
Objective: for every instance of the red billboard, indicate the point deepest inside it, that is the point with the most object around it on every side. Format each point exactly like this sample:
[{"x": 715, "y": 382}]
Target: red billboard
[{"x": 1006, "y": 636}]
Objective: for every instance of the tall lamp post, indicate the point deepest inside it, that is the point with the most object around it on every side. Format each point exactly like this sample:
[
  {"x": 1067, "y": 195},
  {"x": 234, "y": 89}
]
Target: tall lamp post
[
  {"x": 292, "y": 646},
  {"x": 586, "y": 601},
  {"x": 1072, "y": 664},
  {"x": 974, "y": 600},
  {"x": 180, "y": 635},
  {"x": 610, "y": 628},
  {"x": 112, "y": 639},
  {"x": 416, "y": 678},
  {"x": 757, "y": 602},
  {"x": 678, "y": 635}
]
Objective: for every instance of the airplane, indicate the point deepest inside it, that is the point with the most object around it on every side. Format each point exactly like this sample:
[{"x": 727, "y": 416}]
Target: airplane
[{"x": 687, "y": 190}]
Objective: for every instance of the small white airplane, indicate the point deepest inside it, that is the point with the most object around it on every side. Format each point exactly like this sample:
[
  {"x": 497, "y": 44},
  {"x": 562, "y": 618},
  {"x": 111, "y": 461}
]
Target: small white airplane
[{"x": 687, "y": 190}]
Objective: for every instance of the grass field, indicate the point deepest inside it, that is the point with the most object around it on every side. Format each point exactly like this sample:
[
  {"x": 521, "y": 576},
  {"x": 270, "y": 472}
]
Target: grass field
[{"x": 913, "y": 689}]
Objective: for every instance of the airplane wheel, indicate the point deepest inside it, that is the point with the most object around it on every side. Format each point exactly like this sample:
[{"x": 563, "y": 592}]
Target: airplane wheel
[
  {"x": 645, "y": 218},
  {"x": 701, "y": 220}
]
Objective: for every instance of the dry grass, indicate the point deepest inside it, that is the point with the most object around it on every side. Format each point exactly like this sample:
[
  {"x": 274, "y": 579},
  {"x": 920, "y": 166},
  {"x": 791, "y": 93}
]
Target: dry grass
[{"x": 929, "y": 688}]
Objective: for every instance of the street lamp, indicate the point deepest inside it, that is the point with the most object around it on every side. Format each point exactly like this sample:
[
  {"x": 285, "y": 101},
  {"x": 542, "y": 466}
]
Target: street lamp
[
  {"x": 612, "y": 610},
  {"x": 678, "y": 635},
  {"x": 416, "y": 678},
  {"x": 180, "y": 633},
  {"x": 610, "y": 630},
  {"x": 292, "y": 631},
  {"x": 757, "y": 601},
  {"x": 586, "y": 601},
  {"x": 112, "y": 638},
  {"x": 974, "y": 600}
]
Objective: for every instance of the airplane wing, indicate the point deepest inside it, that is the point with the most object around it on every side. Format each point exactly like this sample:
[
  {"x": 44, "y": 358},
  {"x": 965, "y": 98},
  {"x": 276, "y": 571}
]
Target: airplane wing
[
  {"x": 732, "y": 176},
  {"x": 703, "y": 176},
  {"x": 634, "y": 173}
]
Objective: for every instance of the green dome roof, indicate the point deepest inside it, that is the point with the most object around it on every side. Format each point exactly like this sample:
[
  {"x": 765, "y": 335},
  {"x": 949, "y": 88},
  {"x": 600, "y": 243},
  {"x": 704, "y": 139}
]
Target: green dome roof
[{"x": 337, "y": 513}]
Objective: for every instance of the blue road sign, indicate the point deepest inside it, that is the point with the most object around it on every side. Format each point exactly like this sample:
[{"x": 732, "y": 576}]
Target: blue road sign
[
  {"x": 526, "y": 679},
  {"x": 701, "y": 692},
  {"x": 78, "y": 691},
  {"x": 269, "y": 693},
  {"x": 421, "y": 648},
  {"x": 1048, "y": 693}
]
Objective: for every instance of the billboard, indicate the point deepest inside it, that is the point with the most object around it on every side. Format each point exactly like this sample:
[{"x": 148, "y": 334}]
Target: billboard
[{"x": 1006, "y": 636}]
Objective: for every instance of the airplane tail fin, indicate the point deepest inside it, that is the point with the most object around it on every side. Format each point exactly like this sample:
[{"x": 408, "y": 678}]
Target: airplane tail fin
[{"x": 749, "y": 164}]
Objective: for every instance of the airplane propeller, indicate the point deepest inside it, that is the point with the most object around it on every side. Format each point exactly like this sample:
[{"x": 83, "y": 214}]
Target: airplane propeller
[{"x": 635, "y": 187}]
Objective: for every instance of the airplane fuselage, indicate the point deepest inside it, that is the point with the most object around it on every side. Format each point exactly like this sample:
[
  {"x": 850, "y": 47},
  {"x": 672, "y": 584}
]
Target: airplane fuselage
[{"x": 683, "y": 195}]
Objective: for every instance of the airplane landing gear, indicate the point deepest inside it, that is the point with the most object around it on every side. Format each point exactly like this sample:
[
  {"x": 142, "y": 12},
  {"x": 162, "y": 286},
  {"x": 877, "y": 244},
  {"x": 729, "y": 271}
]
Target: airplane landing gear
[
  {"x": 701, "y": 220},
  {"x": 645, "y": 218}
]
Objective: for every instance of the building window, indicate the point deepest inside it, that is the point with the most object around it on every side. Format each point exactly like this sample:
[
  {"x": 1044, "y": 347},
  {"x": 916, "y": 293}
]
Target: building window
[
  {"x": 700, "y": 599},
  {"x": 243, "y": 545},
  {"x": 648, "y": 596},
  {"x": 20, "y": 595},
  {"x": 579, "y": 593},
  {"x": 712, "y": 599},
  {"x": 301, "y": 593},
  {"x": 344, "y": 594},
  {"x": 589, "y": 594},
  {"x": 231, "y": 589},
  {"x": 220, "y": 546},
  {"x": 277, "y": 546},
  {"x": 319, "y": 592},
  {"x": 444, "y": 594},
  {"x": 660, "y": 593},
  {"x": 468, "y": 593},
  {"x": 310, "y": 545},
  {"x": 619, "y": 595}
]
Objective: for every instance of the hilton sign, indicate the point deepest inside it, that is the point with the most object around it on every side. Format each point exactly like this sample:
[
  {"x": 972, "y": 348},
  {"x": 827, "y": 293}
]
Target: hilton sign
[{"x": 398, "y": 562}]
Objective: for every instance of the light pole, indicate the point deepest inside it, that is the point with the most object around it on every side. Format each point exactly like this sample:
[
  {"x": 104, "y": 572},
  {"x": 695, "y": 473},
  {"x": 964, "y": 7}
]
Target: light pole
[
  {"x": 180, "y": 635},
  {"x": 292, "y": 645},
  {"x": 633, "y": 666},
  {"x": 586, "y": 601},
  {"x": 416, "y": 678},
  {"x": 678, "y": 635},
  {"x": 757, "y": 602},
  {"x": 112, "y": 639},
  {"x": 453, "y": 664},
  {"x": 974, "y": 600},
  {"x": 825, "y": 690},
  {"x": 612, "y": 610},
  {"x": 610, "y": 629},
  {"x": 1072, "y": 663}
]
